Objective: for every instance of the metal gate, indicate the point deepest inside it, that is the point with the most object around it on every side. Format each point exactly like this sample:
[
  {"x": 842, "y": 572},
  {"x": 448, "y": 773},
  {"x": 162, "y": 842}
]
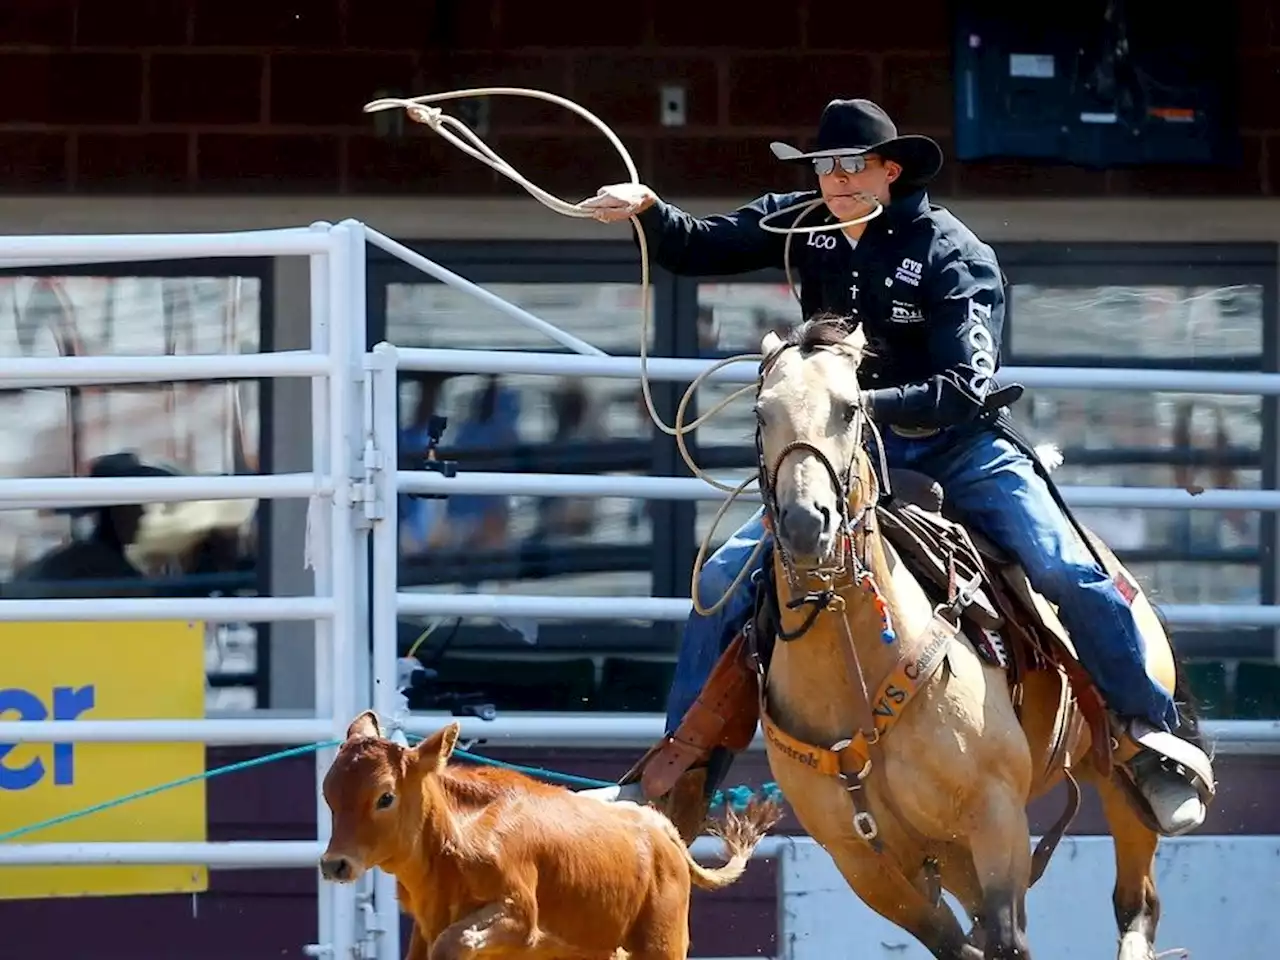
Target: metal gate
[{"x": 805, "y": 870}]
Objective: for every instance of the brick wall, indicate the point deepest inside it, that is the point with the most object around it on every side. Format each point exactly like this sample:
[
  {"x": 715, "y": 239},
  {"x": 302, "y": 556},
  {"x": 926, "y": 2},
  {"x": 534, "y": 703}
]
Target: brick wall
[{"x": 265, "y": 95}]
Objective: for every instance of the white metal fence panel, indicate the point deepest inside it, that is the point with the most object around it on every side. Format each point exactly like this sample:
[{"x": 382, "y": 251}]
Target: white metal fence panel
[{"x": 333, "y": 363}]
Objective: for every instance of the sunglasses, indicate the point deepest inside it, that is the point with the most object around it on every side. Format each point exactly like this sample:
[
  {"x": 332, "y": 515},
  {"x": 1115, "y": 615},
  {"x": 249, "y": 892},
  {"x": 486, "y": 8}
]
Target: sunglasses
[{"x": 849, "y": 163}]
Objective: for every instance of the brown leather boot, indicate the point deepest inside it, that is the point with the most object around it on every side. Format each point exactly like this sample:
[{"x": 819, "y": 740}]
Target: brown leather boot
[{"x": 686, "y": 804}]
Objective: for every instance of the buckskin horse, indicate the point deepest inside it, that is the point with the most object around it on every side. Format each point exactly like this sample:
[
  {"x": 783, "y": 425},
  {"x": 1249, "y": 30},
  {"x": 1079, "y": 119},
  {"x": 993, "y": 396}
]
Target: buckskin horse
[{"x": 948, "y": 692}]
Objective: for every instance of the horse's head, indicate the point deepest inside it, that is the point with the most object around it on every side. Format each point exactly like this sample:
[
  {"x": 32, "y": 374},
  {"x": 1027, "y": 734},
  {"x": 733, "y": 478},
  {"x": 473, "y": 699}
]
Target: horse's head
[{"x": 815, "y": 470}]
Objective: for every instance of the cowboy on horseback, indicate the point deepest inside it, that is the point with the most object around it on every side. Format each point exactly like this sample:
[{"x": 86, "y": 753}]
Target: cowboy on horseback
[{"x": 930, "y": 297}]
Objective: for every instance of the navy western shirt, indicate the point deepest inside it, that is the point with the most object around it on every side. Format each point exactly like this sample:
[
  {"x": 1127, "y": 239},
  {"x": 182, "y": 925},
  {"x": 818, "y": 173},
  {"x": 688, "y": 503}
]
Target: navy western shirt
[{"x": 929, "y": 294}]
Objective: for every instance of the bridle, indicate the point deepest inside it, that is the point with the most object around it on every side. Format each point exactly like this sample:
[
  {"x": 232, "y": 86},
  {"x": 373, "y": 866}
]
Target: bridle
[
  {"x": 851, "y": 561},
  {"x": 851, "y": 569}
]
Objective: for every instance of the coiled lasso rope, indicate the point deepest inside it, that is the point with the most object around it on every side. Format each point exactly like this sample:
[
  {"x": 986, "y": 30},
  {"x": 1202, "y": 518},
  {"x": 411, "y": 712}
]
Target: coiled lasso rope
[{"x": 456, "y": 132}]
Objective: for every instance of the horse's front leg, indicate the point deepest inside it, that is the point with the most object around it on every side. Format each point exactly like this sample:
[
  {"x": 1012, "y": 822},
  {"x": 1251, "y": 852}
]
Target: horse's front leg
[
  {"x": 889, "y": 894},
  {"x": 998, "y": 832}
]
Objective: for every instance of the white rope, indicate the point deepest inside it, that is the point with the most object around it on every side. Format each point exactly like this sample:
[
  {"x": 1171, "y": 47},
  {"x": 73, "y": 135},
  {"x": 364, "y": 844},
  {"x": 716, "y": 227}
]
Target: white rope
[{"x": 456, "y": 132}]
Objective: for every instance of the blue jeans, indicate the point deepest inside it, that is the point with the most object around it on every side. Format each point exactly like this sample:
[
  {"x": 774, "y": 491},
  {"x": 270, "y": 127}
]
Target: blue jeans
[{"x": 994, "y": 486}]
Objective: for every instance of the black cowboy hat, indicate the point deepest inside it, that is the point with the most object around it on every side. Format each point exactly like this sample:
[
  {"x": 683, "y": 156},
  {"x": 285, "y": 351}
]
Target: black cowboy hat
[{"x": 860, "y": 126}]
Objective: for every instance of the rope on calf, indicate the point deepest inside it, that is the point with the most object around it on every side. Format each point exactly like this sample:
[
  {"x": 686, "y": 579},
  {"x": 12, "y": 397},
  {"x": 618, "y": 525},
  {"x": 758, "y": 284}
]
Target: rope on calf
[{"x": 736, "y": 798}]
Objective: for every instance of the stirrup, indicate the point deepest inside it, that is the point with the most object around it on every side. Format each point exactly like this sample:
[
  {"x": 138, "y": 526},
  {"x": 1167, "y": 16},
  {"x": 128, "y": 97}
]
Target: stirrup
[{"x": 1183, "y": 757}]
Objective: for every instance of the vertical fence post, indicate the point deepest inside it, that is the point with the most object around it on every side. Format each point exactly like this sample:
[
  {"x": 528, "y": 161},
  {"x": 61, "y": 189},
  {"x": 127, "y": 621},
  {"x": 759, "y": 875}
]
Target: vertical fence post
[
  {"x": 361, "y": 518},
  {"x": 356, "y": 327},
  {"x": 340, "y": 559},
  {"x": 318, "y": 544},
  {"x": 387, "y": 699}
]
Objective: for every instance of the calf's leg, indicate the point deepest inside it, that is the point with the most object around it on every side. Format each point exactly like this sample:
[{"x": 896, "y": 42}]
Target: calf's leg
[
  {"x": 419, "y": 948},
  {"x": 504, "y": 930},
  {"x": 661, "y": 931}
]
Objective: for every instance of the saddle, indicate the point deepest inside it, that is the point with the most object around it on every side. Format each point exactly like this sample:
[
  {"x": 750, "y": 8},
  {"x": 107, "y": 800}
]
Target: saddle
[{"x": 1009, "y": 624}]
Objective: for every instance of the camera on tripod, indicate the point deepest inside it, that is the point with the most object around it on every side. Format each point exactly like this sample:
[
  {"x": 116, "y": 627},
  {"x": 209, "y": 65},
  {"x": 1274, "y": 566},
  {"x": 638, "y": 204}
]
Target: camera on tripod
[
  {"x": 417, "y": 683},
  {"x": 430, "y": 457}
]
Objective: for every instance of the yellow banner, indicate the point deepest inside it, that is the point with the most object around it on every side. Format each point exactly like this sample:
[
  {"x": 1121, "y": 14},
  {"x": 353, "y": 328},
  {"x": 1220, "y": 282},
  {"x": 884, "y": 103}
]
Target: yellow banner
[{"x": 101, "y": 671}]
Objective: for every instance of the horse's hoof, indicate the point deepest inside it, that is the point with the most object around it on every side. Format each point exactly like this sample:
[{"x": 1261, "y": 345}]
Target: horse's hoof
[{"x": 1136, "y": 946}]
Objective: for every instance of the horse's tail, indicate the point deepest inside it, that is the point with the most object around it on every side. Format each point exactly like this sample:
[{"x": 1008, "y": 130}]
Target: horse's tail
[
  {"x": 1050, "y": 454},
  {"x": 1188, "y": 706},
  {"x": 740, "y": 833}
]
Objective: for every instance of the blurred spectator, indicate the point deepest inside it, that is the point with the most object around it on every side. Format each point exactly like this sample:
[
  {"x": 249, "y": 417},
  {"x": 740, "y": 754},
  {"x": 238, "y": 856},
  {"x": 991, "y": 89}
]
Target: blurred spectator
[
  {"x": 1219, "y": 475},
  {"x": 129, "y": 542},
  {"x": 419, "y": 517},
  {"x": 708, "y": 332},
  {"x": 482, "y": 522},
  {"x": 577, "y": 420},
  {"x": 101, "y": 555}
]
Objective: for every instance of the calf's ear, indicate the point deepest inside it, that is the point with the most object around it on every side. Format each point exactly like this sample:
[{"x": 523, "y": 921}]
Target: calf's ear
[
  {"x": 365, "y": 725},
  {"x": 434, "y": 752}
]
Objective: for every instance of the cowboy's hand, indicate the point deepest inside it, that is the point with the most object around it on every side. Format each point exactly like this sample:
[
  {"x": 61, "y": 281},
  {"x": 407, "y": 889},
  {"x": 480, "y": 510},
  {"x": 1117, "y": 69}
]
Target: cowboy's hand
[{"x": 619, "y": 201}]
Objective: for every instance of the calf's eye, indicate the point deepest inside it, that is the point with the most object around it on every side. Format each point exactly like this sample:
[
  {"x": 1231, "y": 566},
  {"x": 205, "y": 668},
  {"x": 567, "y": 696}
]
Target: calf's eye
[{"x": 385, "y": 801}]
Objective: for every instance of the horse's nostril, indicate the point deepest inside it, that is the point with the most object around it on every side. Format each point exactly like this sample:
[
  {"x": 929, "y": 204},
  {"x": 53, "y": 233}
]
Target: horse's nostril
[{"x": 826, "y": 516}]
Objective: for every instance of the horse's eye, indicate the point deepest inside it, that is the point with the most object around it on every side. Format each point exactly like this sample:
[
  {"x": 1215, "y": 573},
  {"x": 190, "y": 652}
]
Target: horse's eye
[
  {"x": 848, "y": 411},
  {"x": 386, "y": 800}
]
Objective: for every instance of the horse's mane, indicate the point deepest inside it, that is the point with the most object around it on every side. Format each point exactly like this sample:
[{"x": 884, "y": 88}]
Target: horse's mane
[{"x": 821, "y": 330}]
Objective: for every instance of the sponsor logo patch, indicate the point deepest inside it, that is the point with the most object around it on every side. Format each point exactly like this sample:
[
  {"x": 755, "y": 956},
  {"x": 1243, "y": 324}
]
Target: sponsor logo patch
[
  {"x": 902, "y": 312},
  {"x": 909, "y": 271}
]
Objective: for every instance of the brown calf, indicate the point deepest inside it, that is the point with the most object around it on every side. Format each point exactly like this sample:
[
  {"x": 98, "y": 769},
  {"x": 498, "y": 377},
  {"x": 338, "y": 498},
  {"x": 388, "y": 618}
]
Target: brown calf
[{"x": 491, "y": 863}]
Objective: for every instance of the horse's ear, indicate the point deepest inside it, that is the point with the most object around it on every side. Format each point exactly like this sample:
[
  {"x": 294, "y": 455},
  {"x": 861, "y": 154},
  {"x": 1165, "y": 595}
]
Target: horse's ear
[
  {"x": 365, "y": 725},
  {"x": 770, "y": 344},
  {"x": 856, "y": 339}
]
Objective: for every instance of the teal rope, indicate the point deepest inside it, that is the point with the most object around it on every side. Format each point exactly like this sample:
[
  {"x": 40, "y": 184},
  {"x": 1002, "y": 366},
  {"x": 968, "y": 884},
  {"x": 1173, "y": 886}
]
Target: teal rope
[
  {"x": 538, "y": 773},
  {"x": 735, "y": 798},
  {"x": 160, "y": 788}
]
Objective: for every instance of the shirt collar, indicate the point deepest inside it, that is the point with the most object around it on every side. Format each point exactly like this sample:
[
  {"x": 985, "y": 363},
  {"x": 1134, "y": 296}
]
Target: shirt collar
[{"x": 908, "y": 207}]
